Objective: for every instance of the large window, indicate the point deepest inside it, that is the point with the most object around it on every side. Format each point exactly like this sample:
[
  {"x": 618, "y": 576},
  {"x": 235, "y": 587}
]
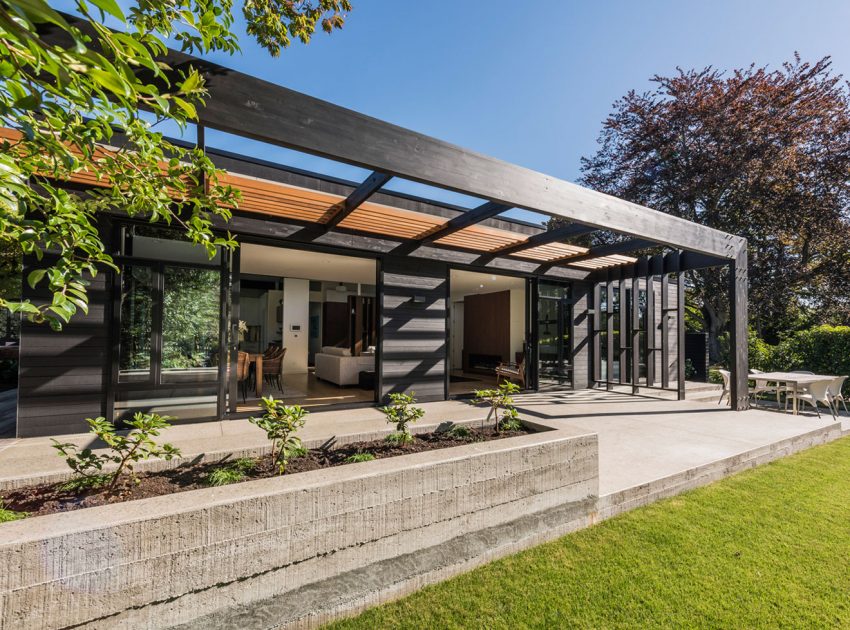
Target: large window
[
  {"x": 137, "y": 300},
  {"x": 190, "y": 323},
  {"x": 170, "y": 311}
]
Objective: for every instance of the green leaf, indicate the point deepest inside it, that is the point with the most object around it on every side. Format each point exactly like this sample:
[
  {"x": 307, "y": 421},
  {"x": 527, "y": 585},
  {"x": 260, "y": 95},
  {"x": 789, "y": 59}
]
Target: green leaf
[
  {"x": 35, "y": 277},
  {"x": 110, "y": 7}
]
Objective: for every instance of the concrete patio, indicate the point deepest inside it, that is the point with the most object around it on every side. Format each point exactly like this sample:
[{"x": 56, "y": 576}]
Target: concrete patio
[{"x": 642, "y": 439}]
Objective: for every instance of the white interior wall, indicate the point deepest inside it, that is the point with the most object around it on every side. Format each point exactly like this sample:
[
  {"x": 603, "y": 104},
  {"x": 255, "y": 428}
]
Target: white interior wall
[{"x": 296, "y": 306}]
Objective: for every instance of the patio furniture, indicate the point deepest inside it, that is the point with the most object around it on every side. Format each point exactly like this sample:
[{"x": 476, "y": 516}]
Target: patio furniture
[
  {"x": 835, "y": 392},
  {"x": 727, "y": 389},
  {"x": 511, "y": 372},
  {"x": 764, "y": 387},
  {"x": 793, "y": 382},
  {"x": 273, "y": 369},
  {"x": 814, "y": 392}
]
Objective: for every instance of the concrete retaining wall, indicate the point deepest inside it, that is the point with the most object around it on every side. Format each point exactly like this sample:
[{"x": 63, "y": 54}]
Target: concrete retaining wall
[{"x": 169, "y": 560}]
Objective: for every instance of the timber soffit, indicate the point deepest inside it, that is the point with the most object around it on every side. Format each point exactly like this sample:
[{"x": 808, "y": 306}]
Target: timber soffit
[{"x": 247, "y": 106}]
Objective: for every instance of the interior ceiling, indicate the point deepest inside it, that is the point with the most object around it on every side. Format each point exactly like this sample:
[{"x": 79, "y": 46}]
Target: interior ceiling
[
  {"x": 281, "y": 262},
  {"x": 466, "y": 282}
]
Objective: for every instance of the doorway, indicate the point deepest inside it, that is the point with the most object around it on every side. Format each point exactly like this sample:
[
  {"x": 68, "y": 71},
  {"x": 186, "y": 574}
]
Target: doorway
[
  {"x": 554, "y": 335},
  {"x": 306, "y": 329}
]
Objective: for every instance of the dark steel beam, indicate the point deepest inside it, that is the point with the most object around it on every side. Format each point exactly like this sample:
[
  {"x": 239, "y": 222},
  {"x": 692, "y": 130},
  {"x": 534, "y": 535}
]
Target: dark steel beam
[
  {"x": 470, "y": 217},
  {"x": 369, "y": 187},
  {"x": 544, "y": 238},
  {"x": 251, "y": 107}
]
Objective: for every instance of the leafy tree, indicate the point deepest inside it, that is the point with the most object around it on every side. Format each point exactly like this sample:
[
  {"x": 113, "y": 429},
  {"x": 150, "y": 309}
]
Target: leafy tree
[
  {"x": 62, "y": 102},
  {"x": 756, "y": 152}
]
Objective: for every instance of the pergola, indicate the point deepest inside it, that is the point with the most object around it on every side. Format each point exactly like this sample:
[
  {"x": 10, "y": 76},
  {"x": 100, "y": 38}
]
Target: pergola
[{"x": 250, "y": 107}]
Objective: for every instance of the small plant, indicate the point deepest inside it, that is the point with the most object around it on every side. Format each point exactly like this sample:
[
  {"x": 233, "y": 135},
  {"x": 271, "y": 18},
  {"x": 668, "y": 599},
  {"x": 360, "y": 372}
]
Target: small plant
[
  {"x": 359, "y": 457},
  {"x": 10, "y": 515},
  {"x": 232, "y": 472},
  {"x": 401, "y": 412},
  {"x": 500, "y": 400},
  {"x": 459, "y": 432},
  {"x": 80, "y": 484},
  {"x": 124, "y": 450},
  {"x": 281, "y": 422}
]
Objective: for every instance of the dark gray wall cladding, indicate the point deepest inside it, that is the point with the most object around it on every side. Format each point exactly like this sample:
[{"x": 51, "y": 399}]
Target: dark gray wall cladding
[
  {"x": 582, "y": 335},
  {"x": 63, "y": 375},
  {"x": 413, "y": 327}
]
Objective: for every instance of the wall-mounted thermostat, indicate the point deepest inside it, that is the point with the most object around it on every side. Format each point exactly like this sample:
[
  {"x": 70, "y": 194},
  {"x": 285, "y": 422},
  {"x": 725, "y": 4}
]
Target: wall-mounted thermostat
[{"x": 295, "y": 327}]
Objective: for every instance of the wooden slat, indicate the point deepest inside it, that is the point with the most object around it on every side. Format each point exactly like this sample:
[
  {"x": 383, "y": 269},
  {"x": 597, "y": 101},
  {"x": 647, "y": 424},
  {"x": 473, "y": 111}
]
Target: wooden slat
[
  {"x": 380, "y": 219},
  {"x": 481, "y": 238}
]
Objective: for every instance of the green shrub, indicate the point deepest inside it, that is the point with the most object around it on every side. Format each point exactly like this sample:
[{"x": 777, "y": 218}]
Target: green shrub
[
  {"x": 398, "y": 438},
  {"x": 759, "y": 352},
  {"x": 79, "y": 484},
  {"x": 401, "y": 412},
  {"x": 459, "y": 432},
  {"x": 500, "y": 400},
  {"x": 281, "y": 422},
  {"x": 124, "y": 450},
  {"x": 10, "y": 515},
  {"x": 821, "y": 349},
  {"x": 359, "y": 457}
]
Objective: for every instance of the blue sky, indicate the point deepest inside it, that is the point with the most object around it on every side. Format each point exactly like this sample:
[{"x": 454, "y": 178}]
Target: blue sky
[{"x": 531, "y": 82}]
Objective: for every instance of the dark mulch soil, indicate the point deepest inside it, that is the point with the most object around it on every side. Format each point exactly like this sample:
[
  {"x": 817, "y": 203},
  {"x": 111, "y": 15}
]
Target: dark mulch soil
[{"x": 51, "y": 498}]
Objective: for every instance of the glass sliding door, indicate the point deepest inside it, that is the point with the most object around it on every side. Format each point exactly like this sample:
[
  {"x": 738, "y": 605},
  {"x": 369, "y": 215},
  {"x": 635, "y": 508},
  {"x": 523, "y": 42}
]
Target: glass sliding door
[
  {"x": 169, "y": 327},
  {"x": 554, "y": 335},
  {"x": 191, "y": 322}
]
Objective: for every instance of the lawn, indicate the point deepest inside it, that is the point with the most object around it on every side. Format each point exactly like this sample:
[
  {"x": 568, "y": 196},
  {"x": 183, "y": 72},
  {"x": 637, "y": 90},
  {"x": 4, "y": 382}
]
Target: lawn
[{"x": 766, "y": 548}]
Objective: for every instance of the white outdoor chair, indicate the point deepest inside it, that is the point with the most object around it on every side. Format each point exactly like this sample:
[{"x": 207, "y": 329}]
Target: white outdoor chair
[
  {"x": 764, "y": 387},
  {"x": 835, "y": 392},
  {"x": 812, "y": 393},
  {"x": 727, "y": 388}
]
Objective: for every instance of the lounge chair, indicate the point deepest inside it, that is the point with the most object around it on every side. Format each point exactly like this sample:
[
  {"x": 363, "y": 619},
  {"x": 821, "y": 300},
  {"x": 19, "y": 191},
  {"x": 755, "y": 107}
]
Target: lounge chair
[{"x": 511, "y": 372}]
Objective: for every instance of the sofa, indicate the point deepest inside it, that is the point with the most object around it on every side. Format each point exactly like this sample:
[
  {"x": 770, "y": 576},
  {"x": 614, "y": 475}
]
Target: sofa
[{"x": 336, "y": 365}]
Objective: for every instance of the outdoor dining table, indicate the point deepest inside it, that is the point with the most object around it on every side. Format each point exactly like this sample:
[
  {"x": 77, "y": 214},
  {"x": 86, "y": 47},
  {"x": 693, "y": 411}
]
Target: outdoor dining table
[{"x": 792, "y": 379}]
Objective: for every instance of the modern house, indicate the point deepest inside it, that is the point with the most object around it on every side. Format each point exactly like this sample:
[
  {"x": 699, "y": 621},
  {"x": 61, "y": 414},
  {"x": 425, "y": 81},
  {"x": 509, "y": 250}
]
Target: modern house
[{"x": 371, "y": 290}]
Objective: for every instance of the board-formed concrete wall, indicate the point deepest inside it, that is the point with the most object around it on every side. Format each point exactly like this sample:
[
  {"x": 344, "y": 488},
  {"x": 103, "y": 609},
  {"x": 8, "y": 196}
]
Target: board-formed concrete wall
[{"x": 168, "y": 560}]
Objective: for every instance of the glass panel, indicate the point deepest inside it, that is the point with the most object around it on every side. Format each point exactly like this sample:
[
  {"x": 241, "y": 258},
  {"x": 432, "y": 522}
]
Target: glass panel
[
  {"x": 160, "y": 243},
  {"x": 553, "y": 334},
  {"x": 190, "y": 324},
  {"x": 137, "y": 296}
]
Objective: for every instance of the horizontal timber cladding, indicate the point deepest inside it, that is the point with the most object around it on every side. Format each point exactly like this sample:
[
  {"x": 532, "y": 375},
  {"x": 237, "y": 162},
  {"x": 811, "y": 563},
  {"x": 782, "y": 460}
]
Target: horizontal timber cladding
[
  {"x": 63, "y": 375},
  {"x": 413, "y": 328}
]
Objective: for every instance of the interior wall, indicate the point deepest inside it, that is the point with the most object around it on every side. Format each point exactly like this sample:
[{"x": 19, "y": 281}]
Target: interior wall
[
  {"x": 296, "y": 314},
  {"x": 517, "y": 323}
]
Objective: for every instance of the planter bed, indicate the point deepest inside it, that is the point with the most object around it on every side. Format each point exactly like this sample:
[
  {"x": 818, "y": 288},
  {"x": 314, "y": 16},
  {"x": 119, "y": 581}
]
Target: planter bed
[
  {"x": 171, "y": 559},
  {"x": 43, "y": 499}
]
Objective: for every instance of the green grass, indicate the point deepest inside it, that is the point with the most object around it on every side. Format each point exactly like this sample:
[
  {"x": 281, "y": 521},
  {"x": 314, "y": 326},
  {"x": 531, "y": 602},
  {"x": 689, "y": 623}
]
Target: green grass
[
  {"x": 359, "y": 457},
  {"x": 10, "y": 515},
  {"x": 232, "y": 472},
  {"x": 766, "y": 548}
]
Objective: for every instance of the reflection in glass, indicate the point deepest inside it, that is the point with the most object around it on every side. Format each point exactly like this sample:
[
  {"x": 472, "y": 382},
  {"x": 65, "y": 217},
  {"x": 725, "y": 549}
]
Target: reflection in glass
[
  {"x": 137, "y": 292},
  {"x": 553, "y": 333},
  {"x": 190, "y": 323}
]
